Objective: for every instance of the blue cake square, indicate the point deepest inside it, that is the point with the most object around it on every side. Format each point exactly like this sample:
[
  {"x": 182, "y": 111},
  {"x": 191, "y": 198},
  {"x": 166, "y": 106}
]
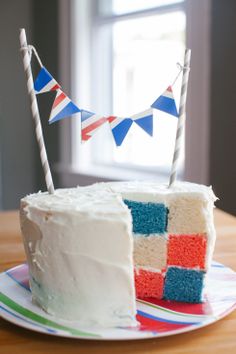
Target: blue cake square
[
  {"x": 184, "y": 285},
  {"x": 148, "y": 218}
]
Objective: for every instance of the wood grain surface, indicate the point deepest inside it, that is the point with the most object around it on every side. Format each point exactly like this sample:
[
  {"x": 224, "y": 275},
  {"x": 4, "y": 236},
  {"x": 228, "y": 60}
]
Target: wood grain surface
[{"x": 219, "y": 337}]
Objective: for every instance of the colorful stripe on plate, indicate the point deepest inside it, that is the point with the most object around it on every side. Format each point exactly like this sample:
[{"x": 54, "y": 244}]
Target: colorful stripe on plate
[{"x": 157, "y": 317}]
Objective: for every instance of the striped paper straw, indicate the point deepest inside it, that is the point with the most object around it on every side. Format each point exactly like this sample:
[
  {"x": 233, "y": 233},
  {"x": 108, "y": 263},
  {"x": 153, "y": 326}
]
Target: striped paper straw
[
  {"x": 181, "y": 120},
  {"x": 35, "y": 111}
]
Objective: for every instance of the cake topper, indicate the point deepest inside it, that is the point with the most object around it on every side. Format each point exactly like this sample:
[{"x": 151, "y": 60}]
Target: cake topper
[{"x": 91, "y": 122}]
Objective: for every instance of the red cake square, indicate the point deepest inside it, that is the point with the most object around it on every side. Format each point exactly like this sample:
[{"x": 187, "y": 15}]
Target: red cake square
[
  {"x": 187, "y": 251},
  {"x": 148, "y": 283}
]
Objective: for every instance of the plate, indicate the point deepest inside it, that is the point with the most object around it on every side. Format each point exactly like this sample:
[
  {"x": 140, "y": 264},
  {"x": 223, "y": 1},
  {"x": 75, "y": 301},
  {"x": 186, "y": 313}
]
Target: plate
[{"x": 158, "y": 318}]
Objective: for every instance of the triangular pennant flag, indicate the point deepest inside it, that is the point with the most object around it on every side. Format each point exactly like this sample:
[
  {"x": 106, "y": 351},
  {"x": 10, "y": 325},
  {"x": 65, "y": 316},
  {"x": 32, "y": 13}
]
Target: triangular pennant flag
[
  {"x": 119, "y": 128},
  {"x": 144, "y": 120},
  {"x": 62, "y": 107},
  {"x": 90, "y": 122},
  {"x": 44, "y": 82},
  {"x": 166, "y": 103}
]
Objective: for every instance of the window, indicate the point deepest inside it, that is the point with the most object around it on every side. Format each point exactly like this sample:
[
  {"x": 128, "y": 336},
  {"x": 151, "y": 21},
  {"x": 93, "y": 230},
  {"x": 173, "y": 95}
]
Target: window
[
  {"x": 86, "y": 53},
  {"x": 85, "y": 46},
  {"x": 133, "y": 48}
]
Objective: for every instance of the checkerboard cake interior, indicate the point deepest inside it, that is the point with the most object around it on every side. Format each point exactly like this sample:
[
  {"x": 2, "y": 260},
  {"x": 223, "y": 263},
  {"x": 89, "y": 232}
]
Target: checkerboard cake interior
[{"x": 170, "y": 249}]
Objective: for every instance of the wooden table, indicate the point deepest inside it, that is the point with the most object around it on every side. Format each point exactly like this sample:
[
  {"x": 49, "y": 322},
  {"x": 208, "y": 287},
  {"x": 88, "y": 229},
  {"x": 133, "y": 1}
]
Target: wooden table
[{"x": 219, "y": 337}]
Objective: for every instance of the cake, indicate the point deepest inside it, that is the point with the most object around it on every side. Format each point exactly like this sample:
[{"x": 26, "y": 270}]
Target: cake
[{"x": 92, "y": 250}]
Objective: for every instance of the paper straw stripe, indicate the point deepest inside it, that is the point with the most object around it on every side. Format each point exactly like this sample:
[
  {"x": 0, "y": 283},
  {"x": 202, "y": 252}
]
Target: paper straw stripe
[
  {"x": 35, "y": 112},
  {"x": 181, "y": 120}
]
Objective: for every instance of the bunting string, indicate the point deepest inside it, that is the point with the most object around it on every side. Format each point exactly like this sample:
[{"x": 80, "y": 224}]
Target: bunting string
[
  {"x": 180, "y": 67},
  {"x": 30, "y": 48}
]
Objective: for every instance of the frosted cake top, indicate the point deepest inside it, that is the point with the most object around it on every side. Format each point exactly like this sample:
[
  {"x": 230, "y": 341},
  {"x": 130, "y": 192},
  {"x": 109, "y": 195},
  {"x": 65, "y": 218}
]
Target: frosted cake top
[{"x": 103, "y": 198}]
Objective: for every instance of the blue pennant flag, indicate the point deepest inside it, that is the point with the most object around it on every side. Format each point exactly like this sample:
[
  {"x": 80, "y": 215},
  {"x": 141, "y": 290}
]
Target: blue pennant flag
[
  {"x": 166, "y": 103},
  {"x": 119, "y": 127},
  {"x": 144, "y": 120},
  {"x": 44, "y": 82}
]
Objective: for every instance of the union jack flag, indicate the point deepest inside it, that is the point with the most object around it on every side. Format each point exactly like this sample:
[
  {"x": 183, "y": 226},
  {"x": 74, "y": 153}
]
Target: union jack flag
[
  {"x": 62, "y": 107},
  {"x": 44, "y": 82},
  {"x": 90, "y": 122},
  {"x": 166, "y": 103}
]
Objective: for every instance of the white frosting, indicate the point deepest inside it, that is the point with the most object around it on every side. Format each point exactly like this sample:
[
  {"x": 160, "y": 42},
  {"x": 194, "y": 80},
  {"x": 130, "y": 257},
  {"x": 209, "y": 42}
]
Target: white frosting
[
  {"x": 79, "y": 246},
  {"x": 148, "y": 191}
]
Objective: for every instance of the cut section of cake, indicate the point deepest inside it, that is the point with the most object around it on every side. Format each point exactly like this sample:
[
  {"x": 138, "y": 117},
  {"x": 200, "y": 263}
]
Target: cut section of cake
[
  {"x": 174, "y": 238},
  {"x": 150, "y": 246},
  {"x": 89, "y": 248}
]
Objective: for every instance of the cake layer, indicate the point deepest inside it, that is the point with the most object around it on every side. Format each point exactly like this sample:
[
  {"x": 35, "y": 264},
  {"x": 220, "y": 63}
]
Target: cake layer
[
  {"x": 188, "y": 214},
  {"x": 150, "y": 251},
  {"x": 184, "y": 285},
  {"x": 149, "y": 283},
  {"x": 148, "y": 218},
  {"x": 187, "y": 251}
]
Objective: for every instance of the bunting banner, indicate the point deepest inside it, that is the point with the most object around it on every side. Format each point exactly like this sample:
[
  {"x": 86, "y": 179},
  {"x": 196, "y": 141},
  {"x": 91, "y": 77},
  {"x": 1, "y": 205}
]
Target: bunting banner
[
  {"x": 144, "y": 120},
  {"x": 90, "y": 123},
  {"x": 44, "y": 82},
  {"x": 62, "y": 107},
  {"x": 166, "y": 103},
  {"x": 119, "y": 127}
]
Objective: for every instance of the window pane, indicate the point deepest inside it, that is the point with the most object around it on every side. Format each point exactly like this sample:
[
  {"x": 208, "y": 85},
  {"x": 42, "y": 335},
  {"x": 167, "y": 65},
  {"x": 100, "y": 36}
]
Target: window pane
[
  {"x": 119, "y": 7},
  {"x": 145, "y": 53},
  {"x": 133, "y": 61}
]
